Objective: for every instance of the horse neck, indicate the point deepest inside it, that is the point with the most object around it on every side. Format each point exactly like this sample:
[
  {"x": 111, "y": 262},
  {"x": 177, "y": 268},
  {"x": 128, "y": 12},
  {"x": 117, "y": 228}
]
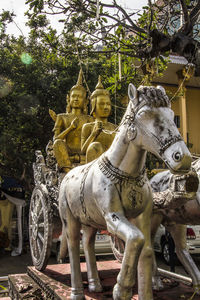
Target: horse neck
[{"x": 126, "y": 155}]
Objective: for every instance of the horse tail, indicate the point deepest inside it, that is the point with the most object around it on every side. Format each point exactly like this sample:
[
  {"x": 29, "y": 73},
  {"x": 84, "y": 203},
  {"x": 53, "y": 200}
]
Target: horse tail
[{"x": 63, "y": 251}]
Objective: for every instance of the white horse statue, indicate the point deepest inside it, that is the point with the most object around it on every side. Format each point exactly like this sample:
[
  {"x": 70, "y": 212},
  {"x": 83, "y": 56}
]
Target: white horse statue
[
  {"x": 175, "y": 221},
  {"x": 114, "y": 193}
]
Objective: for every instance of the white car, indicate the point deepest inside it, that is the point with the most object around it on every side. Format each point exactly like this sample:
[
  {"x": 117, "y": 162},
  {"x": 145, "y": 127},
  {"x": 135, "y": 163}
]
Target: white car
[
  {"x": 102, "y": 245},
  {"x": 193, "y": 241}
]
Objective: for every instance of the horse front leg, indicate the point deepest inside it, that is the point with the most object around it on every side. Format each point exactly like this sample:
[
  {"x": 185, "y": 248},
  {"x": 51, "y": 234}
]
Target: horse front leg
[
  {"x": 118, "y": 225},
  {"x": 178, "y": 232},
  {"x": 143, "y": 222},
  {"x": 88, "y": 239},
  {"x": 72, "y": 229}
]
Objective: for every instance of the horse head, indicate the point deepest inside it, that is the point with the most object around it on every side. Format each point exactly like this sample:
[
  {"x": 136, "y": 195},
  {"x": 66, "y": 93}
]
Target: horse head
[{"x": 150, "y": 114}]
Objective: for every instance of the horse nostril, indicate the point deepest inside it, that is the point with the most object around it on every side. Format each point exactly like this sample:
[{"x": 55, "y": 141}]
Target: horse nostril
[{"x": 177, "y": 156}]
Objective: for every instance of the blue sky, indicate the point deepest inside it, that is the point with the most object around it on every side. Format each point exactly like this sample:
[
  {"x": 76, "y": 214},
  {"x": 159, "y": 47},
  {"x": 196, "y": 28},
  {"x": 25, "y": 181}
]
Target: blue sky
[{"x": 19, "y": 7}]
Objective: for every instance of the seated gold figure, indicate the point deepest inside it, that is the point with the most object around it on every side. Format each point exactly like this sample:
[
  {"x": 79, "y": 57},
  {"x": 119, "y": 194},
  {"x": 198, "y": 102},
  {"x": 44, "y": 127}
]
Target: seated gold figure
[
  {"x": 68, "y": 126},
  {"x": 97, "y": 136}
]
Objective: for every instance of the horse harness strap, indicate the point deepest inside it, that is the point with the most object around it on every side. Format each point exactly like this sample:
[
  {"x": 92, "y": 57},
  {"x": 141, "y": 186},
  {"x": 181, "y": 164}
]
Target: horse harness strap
[
  {"x": 82, "y": 188},
  {"x": 164, "y": 143},
  {"x": 129, "y": 119},
  {"x": 118, "y": 176}
]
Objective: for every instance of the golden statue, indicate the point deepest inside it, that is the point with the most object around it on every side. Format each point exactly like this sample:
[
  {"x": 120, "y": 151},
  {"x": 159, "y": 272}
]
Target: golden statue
[
  {"x": 68, "y": 126},
  {"x": 97, "y": 136}
]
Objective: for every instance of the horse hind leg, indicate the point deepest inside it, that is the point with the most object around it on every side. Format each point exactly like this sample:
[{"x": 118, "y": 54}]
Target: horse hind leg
[
  {"x": 157, "y": 283},
  {"x": 71, "y": 229},
  {"x": 118, "y": 225},
  {"x": 88, "y": 239}
]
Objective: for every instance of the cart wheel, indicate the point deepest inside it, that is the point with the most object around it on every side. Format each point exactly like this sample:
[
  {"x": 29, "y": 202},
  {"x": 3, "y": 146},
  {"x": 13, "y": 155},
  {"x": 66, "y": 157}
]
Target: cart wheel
[
  {"x": 40, "y": 228},
  {"x": 118, "y": 247}
]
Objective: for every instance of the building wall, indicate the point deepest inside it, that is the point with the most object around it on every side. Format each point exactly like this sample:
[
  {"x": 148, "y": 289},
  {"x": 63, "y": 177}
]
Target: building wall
[{"x": 193, "y": 115}]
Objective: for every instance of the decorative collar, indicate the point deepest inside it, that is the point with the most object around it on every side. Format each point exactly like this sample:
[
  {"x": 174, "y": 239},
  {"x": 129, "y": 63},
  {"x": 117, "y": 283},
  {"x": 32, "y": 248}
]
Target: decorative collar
[{"x": 118, "y": 176}]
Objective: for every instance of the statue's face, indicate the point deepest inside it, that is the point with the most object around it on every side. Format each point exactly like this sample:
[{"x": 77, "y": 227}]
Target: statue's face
[
  {"x": 77, "y": 98},
  {"x": 103, "y": 106}
]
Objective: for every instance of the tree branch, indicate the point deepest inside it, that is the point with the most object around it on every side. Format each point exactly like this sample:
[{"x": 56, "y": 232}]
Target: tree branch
[
  {"x": 191, "y": 19},
  {"x": 185, "y": 12},
  {"x": 127, "y": 17},
  {"x": 195, "y": 13},
  {"x": 151, "y": 15},
  {"x": 135, "y": 28}
]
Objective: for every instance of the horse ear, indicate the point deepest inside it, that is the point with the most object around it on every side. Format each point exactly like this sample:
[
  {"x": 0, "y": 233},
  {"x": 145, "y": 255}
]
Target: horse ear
[
  {"x": 161, "y": 88},
  {"x": 132, "y": 93},
  {"x": 165, "y": 97}
]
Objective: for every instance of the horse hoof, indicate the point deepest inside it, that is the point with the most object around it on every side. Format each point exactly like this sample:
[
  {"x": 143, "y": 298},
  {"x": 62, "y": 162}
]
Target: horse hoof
[
  {"x": 120, "y": 293},
  {"x": 77, "y": 295},
  {"x": 95, "y": 287},
  {"x": 157, "y": 284}
]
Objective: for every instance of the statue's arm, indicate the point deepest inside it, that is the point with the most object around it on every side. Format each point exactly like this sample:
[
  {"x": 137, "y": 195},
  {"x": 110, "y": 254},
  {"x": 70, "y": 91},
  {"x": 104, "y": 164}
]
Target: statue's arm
[
  {"x": 89, "y": 135},
  {"x": 58, "y": 134}
]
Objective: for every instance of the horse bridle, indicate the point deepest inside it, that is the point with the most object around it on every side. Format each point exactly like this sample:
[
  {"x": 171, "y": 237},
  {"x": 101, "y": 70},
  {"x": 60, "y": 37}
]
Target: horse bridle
[{"x": 130, "y": 120}]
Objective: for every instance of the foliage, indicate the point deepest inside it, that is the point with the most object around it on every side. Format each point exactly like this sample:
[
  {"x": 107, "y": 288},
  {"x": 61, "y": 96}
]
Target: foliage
[
  {"x": 37, "y": 72},
  {"x": 35, "y": 75},
  {"x": 162, "y": 27}
]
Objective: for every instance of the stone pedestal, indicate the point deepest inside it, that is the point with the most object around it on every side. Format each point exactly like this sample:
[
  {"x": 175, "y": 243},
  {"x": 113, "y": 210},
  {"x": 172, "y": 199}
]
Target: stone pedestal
[{"x": 54, "y": 283}]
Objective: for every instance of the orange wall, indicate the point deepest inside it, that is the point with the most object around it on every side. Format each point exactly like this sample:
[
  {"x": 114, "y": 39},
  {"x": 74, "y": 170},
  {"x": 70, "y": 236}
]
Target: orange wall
[{"x": 193, "y": 115}]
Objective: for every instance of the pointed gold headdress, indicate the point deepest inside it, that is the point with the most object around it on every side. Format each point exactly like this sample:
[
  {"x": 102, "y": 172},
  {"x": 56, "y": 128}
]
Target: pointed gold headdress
[
  {"x": 99, "y": 90},
  {"x": 79, "y": 84}
]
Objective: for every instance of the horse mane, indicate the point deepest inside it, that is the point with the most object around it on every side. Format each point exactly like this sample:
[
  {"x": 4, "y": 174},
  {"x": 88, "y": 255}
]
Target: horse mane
[{"x": 153, "y": 96}]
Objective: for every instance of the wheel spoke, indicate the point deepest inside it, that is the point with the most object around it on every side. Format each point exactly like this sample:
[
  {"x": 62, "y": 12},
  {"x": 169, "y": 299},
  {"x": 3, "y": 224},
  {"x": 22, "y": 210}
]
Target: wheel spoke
[
  {"x": 39, "y": 213},
  {"x": 35, "y": 253},
  {"x": 41, "y": 237},
  {"x": 38, "y": 208},
  {"x": 39, "y": 247}
]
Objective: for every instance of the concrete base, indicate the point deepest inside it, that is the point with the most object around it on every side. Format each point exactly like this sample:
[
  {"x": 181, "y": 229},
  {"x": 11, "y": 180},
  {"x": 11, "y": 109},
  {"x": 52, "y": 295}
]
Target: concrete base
[{"x": 54, "y": 283}]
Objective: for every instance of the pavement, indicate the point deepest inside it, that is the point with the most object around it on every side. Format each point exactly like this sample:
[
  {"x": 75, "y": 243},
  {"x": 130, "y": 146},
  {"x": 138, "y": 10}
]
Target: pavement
[
  {"x": 18, "y": 265},
  {"x": 15, "y": 265}
]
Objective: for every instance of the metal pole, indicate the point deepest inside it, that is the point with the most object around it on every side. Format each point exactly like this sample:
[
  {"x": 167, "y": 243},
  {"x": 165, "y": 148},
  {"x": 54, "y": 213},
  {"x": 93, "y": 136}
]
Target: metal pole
[{"x": 177, "y": 277}]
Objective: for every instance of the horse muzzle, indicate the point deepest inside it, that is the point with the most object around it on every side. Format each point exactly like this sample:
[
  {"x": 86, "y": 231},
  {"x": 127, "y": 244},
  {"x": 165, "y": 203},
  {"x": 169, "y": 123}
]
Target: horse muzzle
[{"x": 177, "y": 158}]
